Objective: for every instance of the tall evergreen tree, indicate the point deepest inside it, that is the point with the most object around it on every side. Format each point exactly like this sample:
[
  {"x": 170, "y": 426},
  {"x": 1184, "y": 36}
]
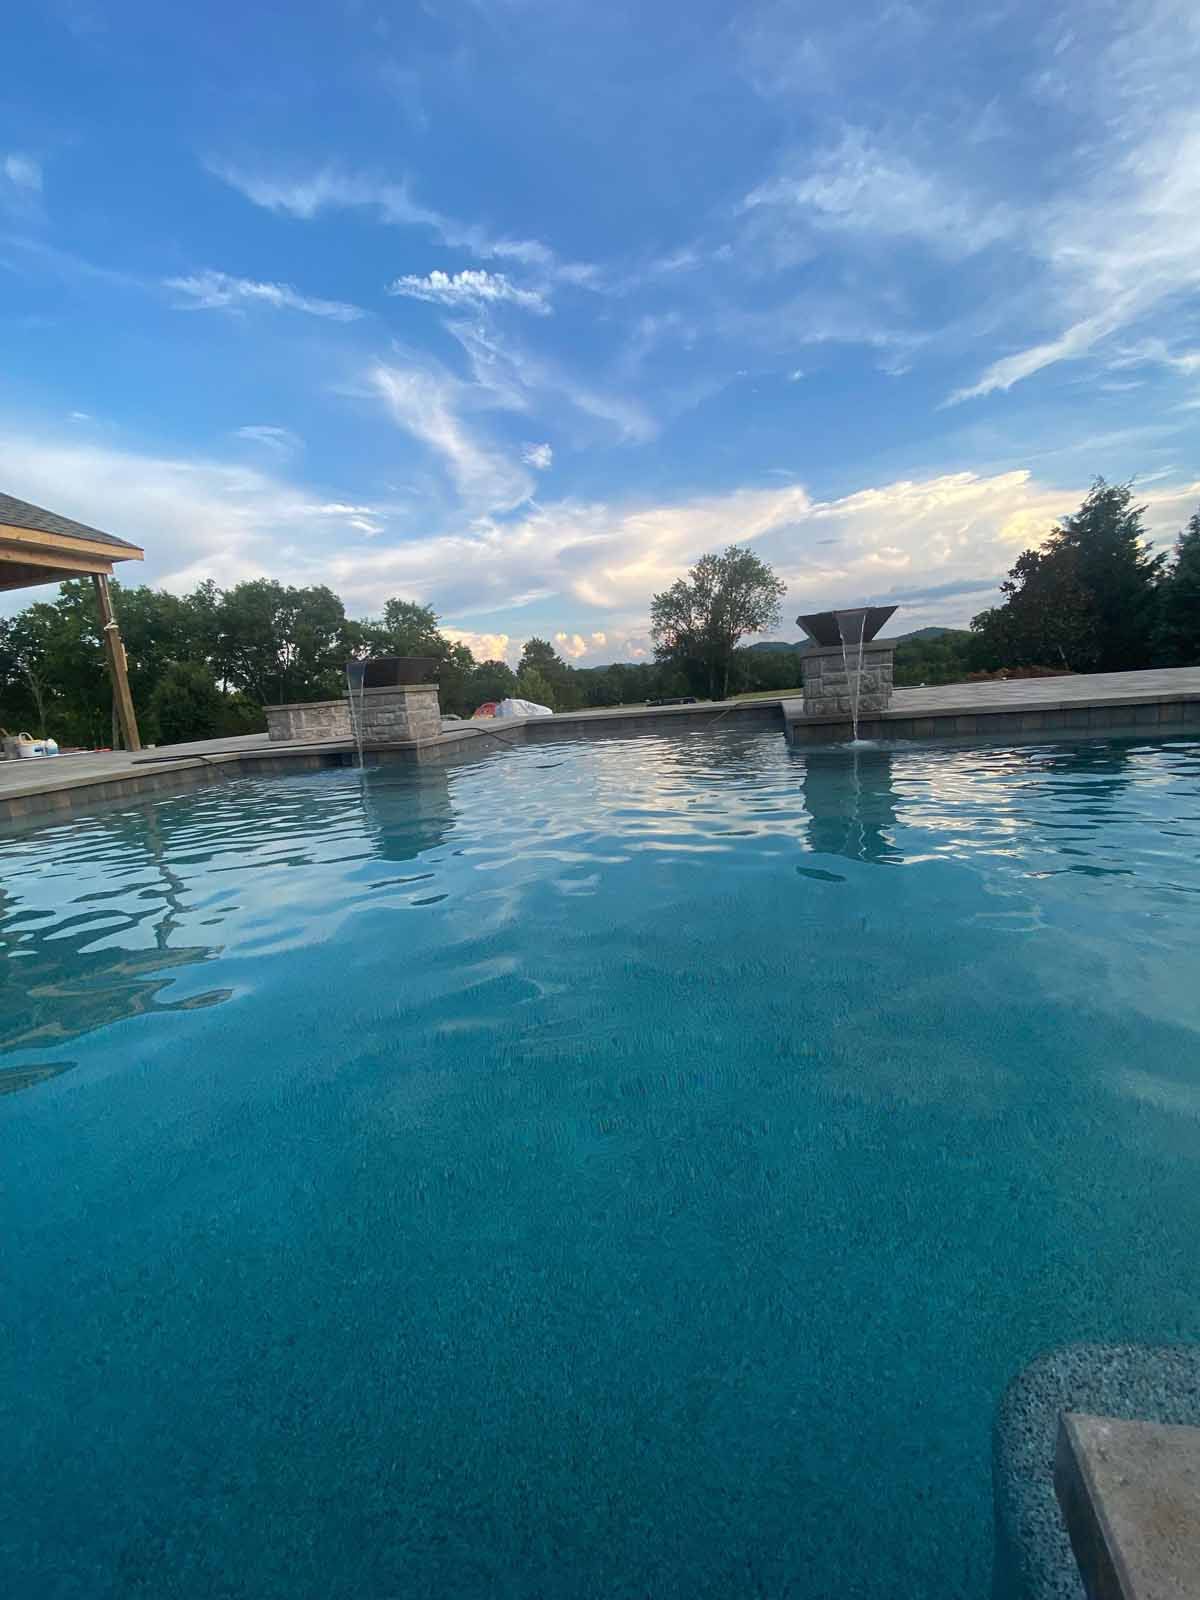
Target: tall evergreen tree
[
  {"x": 1086, "y": 600},
  {"x": 1114, "y": 565},
  {"x": 1179, "y": 620}
]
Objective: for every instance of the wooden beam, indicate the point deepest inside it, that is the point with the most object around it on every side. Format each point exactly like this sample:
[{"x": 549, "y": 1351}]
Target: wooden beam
[
  {"x": 61, "y": 560},
  {"x": 66, "y": 546},
  {"x": 16, "y": 575},
  {"x": 115, "y": 651}
]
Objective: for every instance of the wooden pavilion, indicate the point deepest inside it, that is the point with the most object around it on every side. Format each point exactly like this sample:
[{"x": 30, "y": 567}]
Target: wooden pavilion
[{"x": 38, "y": 546}]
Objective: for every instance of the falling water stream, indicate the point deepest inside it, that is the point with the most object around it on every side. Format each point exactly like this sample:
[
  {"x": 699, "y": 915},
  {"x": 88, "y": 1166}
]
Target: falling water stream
[
  {"x": 356, "y": 669},
  {"x": 857, "y": 687}
]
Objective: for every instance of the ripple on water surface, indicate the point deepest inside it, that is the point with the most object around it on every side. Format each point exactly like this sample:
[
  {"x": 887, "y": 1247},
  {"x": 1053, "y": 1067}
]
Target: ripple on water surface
[{"x": 620, "y": 1168}]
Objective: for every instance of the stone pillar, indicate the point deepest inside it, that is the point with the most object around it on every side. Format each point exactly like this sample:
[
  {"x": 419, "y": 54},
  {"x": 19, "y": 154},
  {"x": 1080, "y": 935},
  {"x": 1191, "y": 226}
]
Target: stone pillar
[
  {"x": 829, "y": 689},
  {"x": 309, "y": 722},
  {"x": 403, "y": 713}
]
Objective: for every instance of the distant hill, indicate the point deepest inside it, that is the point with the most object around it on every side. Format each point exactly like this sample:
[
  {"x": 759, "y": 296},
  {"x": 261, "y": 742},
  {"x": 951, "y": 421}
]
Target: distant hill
[{"x": 898, "y": 638}]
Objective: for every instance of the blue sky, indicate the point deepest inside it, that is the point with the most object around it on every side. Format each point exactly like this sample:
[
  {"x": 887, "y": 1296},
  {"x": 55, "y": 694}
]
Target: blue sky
[{"x": 515, "y": 307}]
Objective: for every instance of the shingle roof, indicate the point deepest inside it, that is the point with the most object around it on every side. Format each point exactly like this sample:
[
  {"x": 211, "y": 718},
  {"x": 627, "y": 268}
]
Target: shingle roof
[{"x": 20, "y": 514}]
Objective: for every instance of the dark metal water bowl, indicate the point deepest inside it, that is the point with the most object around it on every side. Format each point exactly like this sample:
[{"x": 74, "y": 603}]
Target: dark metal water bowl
[
  {"x": 834, "y": 627},
  {"x": 389, "y": 672}
]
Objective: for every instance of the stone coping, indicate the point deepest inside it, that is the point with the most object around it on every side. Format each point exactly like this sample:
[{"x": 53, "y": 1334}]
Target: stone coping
[
  {"x": 873, "y": 647},
  {"x": 340, "y": 700},
  {"x": 1034, "y": 1559},
  {"x": 305, "y": 705},
  {"x": 398, "y": 688},
  {"x": 1130, "y": 1497},
  {"x": 793, "y": 709}
]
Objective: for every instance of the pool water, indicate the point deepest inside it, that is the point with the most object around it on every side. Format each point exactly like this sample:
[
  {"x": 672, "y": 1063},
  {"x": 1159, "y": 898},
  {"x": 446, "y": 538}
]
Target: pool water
[{"x": 624, "y": 1168}]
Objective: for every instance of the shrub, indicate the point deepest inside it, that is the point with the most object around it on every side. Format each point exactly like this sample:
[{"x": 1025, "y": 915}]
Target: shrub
[{"x": 186, "y": 703}]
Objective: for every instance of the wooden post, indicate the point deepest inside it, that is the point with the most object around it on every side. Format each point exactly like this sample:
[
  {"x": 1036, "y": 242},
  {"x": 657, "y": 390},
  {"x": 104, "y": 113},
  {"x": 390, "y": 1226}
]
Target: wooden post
[{"x": 115, "y": 650}]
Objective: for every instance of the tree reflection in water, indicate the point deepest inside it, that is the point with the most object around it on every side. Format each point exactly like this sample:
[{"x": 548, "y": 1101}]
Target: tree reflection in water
[{"x": 98, "y": 920}]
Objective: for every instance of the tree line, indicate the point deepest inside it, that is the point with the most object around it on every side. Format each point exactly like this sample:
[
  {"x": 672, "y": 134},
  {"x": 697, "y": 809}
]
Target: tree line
[{"x": 1094, "y": 597}]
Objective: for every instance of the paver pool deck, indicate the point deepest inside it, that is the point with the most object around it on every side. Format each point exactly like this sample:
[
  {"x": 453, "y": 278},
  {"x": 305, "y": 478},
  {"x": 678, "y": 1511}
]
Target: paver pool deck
[{"x": 1163, "y": 701}]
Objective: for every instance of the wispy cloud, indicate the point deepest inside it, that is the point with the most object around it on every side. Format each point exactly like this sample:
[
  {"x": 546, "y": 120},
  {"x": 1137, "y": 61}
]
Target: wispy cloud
[
  {"x": 218, "y": 291},
  {"x": 282, "y": 441},
  {"x": 427, "y": 405},
  {"x": 789, "y": 47},
  {"x": 857, "y": 186},
  {"x": 1076, "y": 341},
  {"x": 1122, "y": 238},
  {"x": 470, "y": 288},
  {"x": 22, "y": 171},
  {"x": 516, "y": 378},
  {"x": 333, "y": 190},
  {"x": 1157, "y": 352},
  {"x": 196, "y": 517},
  {"x": 538, "y": 456}
]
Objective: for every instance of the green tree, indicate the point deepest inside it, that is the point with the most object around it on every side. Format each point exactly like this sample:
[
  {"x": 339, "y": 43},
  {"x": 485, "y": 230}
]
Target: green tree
[
  {"x": 698, "y": 622},
  {"x": 765, "y": 669},
  {"x": 949, "y": 658},
  {"x": 280, "y": 644},
  {"x": 1086, "y": 599},
  {"x": 204, "y": 634},
  {"x": 539, "y": 655},
  {"x": 1047, "y": 618},
  {"x": 1179, "y": 622},
  {"x": 56, "y": 651},
  {"x": 26, "y": 689},
  {"x": 409, "y": 629},
  {"x": 1114, "y": 563},
  {"x": 186, "y": 703},
  {"x": 533, "y": 684},
  {"x": 489, "y": 680},
  {"x": 157, "y": 630}
]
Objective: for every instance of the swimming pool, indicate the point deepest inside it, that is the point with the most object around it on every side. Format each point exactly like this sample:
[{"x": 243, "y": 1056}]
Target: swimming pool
[{"x": 623, "y": 1168}]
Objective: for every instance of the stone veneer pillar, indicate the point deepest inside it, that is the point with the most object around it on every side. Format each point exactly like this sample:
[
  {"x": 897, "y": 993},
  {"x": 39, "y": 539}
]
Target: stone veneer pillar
[
  {"x": 405, "y": 713},
  {"x": 829, "y": 689},
  {"x": 310, "y": 722}
]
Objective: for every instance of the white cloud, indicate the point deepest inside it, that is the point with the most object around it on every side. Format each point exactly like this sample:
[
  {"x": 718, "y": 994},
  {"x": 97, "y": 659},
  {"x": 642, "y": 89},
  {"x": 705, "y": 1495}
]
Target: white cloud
[
  {"x": 22, "y": 171},
  {"x": 1076, "y": 341},
  {"x": 538, "y": 456},
  {"x": 857, "y": 186},
  {"x": 1122, "y": 239},
  {"x": 282, "y": 441},
  {"x": 514, "y": 378},
  {"x": 426, "y": 405},
  {"x": 472, "y": 287},
  {"x": 574, "y": 646},
  {"x": 488, "y": 646},
  {"x": 333, "y": 190},
  {"x": 195, "y": 518},
  {"x": 218, "y": 291},
  {"x": 1158, "y": 352},
  {"x": 937, "y": 545}
]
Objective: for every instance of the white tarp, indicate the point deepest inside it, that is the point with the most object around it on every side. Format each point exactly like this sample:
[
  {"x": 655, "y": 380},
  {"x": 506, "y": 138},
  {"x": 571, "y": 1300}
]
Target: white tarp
[{"x": 522, "y": 708}]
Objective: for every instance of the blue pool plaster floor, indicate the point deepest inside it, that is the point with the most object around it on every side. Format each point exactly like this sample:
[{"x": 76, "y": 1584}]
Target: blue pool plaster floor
[{"x": 607, "y": 1169}]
